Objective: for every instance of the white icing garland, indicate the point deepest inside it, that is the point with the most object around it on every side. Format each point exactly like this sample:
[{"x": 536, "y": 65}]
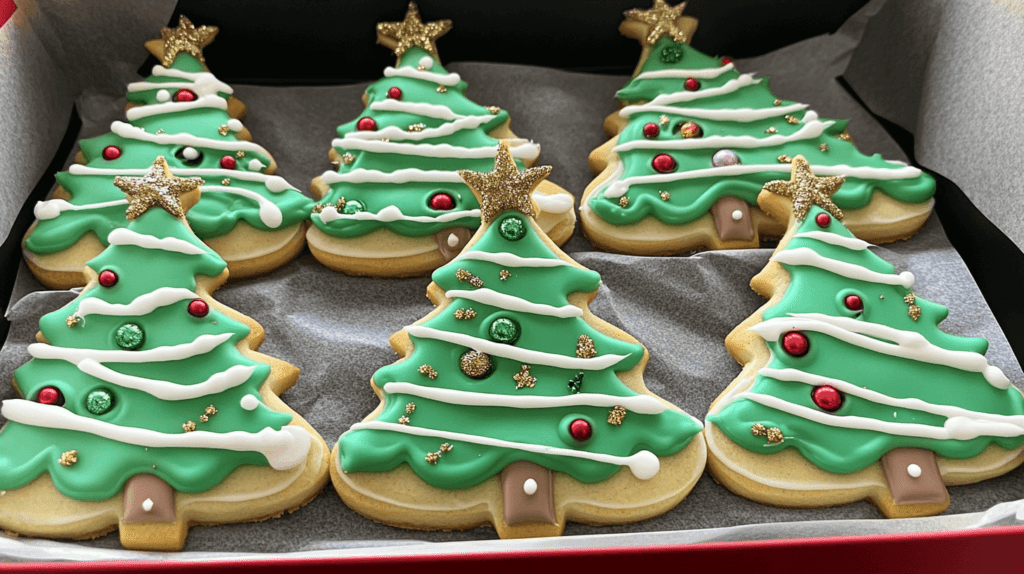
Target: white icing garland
[
  {"x": 676, "y": 97},
  {"x": 552, "y": 203},
  {"x": 195, "y": 77},
  {"x": 202, "y": 344},
  {"x": 443, "y": 79},
  {"x": 436, "y": 111},
  {"x": 734, "y": 115},
  {"x": 702, "y": 73},
  {"x": 284, "y": 449},
  {"x": 515, "y": 353},
  {"x": 392, "y": 213},
  {"x": 644, "y": 464},
  {"x": 270, "y": 213},
  {"x": 851, "y": 243},
  {"x": 141, "y": 305},
  {"x": 811, "y": 258},
  {"x": 125, "y": 236},
  {"x": 274, "y": 183},
  {"x": 405, "y": 175},
  {"x": 136, "y": 133},
  {"x": 396, "y": 133},
  {"x": 167, "y": 390},
  {"x": 810, "y": 130},
  {"x": 212, "y": 101},
  {"x": 512, "y": 260},
  {"x": 511, "y": 303},
  {"x": 52, "y": 208},
  {"x": 525, "y": 150},
  {"x": 641, "y": 404},
  {"x": 873, "y": 337}
]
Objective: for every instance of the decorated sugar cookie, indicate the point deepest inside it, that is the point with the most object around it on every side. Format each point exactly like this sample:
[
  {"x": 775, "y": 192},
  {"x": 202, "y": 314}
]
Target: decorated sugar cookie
[
  {"x": 849, "y": 389},
  {"x": 253, "y": 219},
  {"x": 146, "y": 407},
  {"x": 696, "y": 139},
  {"x": 512, "y": 404},
  {"x": 395, "y": 204}
]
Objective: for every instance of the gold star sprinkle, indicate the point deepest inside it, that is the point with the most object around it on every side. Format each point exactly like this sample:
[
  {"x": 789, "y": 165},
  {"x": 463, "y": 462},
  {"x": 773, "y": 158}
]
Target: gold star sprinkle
[
  {"x": 410, "y": 408},
  {"x": 158, "y": 187},
  {"x": 185, "y": 38},
  {"x": 400, "y": 36},
  {"x": 506, "y": 187},
  {"x": 72, "y": 320},
  {"x": 846, "y": 137},
  {"x": 913, "y": 310},
  {"x": 504, "y": 274},
  {"x": 68, "y": 458},
  {"x": 792, "y": 119},
  {"x": 348, "y": 158},
  {"x": 770, "y": 130},
  {"x": 495, "y": 110},
  {"x": 441, "y": 89},
  {"x": 403, "y": 420},
  {"x": 416, "y": 127},
  {"x": 624, "y": 201},
  {"x": 777, "y": 102},
  {"x": 806, "y": 189},
  {"x": 617, "y": 415},
  {"x": 189, "y": 426},
  {"x": 523, "y": 378},
  {"x": 428, "y": 371},
  {"x": 665, "y": 196},
  {"x": 223, "y": 130},
  {"x": 239, "y": 154},
  {"x": 585, "y": 347},
  {"x": 465, "y": 314},
  {"x": 784, "y": 159},
  {"x": 823, "y": 147},
  {"x": 661, "y": 20}
]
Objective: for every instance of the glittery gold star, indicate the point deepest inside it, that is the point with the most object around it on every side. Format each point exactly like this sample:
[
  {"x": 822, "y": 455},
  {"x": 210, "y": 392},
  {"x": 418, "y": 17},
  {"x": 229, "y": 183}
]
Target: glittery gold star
[
  {"x": 505, "y": 187},
  {"x": 806, "y": 189},
  {"x": 158, "y": 187},
  {"x": 186, "y": 38},
  {"x": 663, "y": 19},
  {"x": 400, "y": 36}
]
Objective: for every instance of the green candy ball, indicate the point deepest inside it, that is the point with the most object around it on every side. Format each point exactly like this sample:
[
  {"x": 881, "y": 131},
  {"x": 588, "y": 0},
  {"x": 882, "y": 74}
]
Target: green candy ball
[
  {"x": 99, "y": 402},
  {"x": 512, "y": 228},
  {"x": 129, "y": 336},
  {"x": 504, "y": 330}
]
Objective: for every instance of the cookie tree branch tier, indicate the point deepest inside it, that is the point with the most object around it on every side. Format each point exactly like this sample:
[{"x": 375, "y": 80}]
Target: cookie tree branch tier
[
  {"x": 512, "y": 404},
  {"x": 849, "y": 390},
  {"x": 396, "y": 206},
  {"x": 146, "y": 407},
  {"x": 253, "y": 219},
  {"x": 694, "y": 142}
]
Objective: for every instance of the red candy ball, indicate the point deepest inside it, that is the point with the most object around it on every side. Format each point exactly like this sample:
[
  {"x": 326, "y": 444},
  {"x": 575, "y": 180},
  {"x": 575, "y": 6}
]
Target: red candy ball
[
  {"x": 691, "y": 84},
  {"x": 366, "y": 124},
  {"x": 726, "y": 60},
  {"x": 651, "y": 130},
  {"x": 795, "y": 343},
  {"x": 395, "y": 93},
  {"x": 198, "y": 308},
  {"x": 853, "y": 302},
  {"x": 185, "y": 95},
  {"x": 49, "y": 396},
  {"x": 110, "y": 153},
  {"x": 228, "y": 162},
  {"x": 580, "y": 430},
  {"x": 663, "y": 163},
  {"x": 827, "y": 398},
  {"x": 823, "y": 220},
  {"x": 108, "y": 278},
  {"x": 442, "y": 202}
]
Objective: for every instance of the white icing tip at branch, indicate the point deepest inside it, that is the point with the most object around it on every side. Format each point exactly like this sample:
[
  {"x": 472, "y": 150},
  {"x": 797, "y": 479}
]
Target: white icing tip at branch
[
  {"x": 249, "y": 402},
  {"x": 256, "y": 165},
  {"x": 644, "y": 465}
]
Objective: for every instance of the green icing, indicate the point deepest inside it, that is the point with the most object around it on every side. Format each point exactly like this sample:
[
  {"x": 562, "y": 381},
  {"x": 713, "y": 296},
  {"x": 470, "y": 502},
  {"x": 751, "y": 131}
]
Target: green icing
[
  {"x": 217, "y": 212},
  {"x": 469, "y": 463},
  {"x": 27, "y": 450},
  {"x": 412, "y": 197},
  {"x": 843, "y": 450},
  {"x": 692, "y": 198}
]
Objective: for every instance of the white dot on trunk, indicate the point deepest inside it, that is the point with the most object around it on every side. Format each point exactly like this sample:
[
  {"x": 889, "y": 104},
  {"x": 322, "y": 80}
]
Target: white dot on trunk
[
  {"x": 190, "y": 153},
  {"x": 163, "y": 96},
  {"x": 427, "y": 62},
  {"x": 737, "y": 215},
  {"x": 147, "y": 504},
  {"x": 914, "y": 470},
  {"x": 453, "y": 240},
  {"x": 530, "y": 486},
  {"x": 249, "y": 402}
]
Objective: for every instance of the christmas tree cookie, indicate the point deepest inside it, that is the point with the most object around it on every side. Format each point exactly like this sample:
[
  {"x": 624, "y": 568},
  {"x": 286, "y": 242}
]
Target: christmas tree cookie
[
  {"x": 694, "y": 142},
  {"x": 395, "y": 205},
  {"x": 512, "y": 404},
  {"x": 146, "y": 407},
  {"x": 254, "y": 220},
  {"x": 849, "y": 390}
]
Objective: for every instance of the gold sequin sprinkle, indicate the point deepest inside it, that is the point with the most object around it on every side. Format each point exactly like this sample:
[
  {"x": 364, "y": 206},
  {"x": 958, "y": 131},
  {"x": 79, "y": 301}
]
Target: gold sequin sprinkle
[
  {"x": 68, "y": 458},
  {"x": 428, "y": 371},
  {"x": 189, "y": 426},
  {"x": 777, "y": 102},
  {"x": 72, "y": 320},
  {"x": 239, "y": 153},
  {"x": 523, "y": 378},
  {"x": 665, "y": 196},
  {"x": 823, "y": 147},
  {"x": 664, "y": 120},
  {"x": 441, "y": 89},
  {"x": 403, "y": 420},
  {"x": 758, "y": 429},
  {"x": 585, "y": 347},
  {"x": 432, "y": 457},
  {"x": 913, "y": 310},
  {"x": 416, "y": 127},
  {"x": 770, "y": 130},
  {"x": 504, "y": 274},
  {"x": 785, "y": 159},
  {"x": 845, "y": 136},
  {"x": 463, "y": 275},
  {"x": 210, "y": 410},
  {"x": 348, "y": 158},
  {"x": 495, "y": 110},
  {"x": 226, "y": 181},
  {"x": 792, "y": 119},
  {"x": 617, "y": 415},
  {"x": 774, "y": 435},
  {"x": 445, "y": 447},
  {"x": 223, "y": 130},
  {"x": 624, "y": 201},
  {"x": 203, "y": 418},
  {"x": 465, "y": 314},
  {"x": 410, "y": 408},
  {"x": 317, "y": 208}
]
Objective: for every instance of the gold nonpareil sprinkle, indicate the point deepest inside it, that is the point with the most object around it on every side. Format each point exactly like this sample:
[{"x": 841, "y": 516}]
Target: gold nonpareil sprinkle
[
  {"x": 523, "y": 378},
  {"x": 416, "y": 127},
  {"x": 403, "y": 420},
  {"x": 770, "y": 130},
  {"x": 823, "y": 147},
  {"x": 428, "y": 371},
  {"x": 463, "y": 275},
  {"x": 758, "y": 429},
  {"x": 72, "y": 320},
  {"x": 806, "y": 189},
  {"x": 665, "y": 196},
  {"x": 210, "y": 410},
  {"x": 846, "y": 137},
  {"x": 465, "y": 314},
  {"x": 792, "y": 119},
  {"x": 239, "y": 154},
  {"x": 445, "y": 447},
  {"x": 203, "y": 418},
  {"x": 476, "y": 282},
  {"x": 340, "y": 204},
  {"x": 432, "y": 457},
  {"x": 505, "y": 187},
  {"x": 226, "y": 181},
  {"x": 617, "y": 415},
  {"x": 157, "y": 188},
  {"x": 159, "y": 131},
  {"x": 401, "y": 36},
  {"x": 185, "y": 38},
  {"x": 223, "y": 130},
  {"x": 774, "y": 435},
  {"x": 441, "y": 89},
  {"x": 913, "y": 310},
  {"x": 495, "y": 110},
  {"x": 189, "y": 426},
  {"x": 777, "y": 102},
  {"x": 410, "y": 408},
  {"x": 347, "y": 158},
  {"x": 585, "y": 347},
  {"x": 624, "y": 201},
  {"x": 317, "y": 208},
  {"x": 68, "y": 458},
  {"x": 664, "y": 120},
  {"x": 784, "y": 158},
  {"x": 504, "y": 274},
  {"x": 421, "y": 68}
]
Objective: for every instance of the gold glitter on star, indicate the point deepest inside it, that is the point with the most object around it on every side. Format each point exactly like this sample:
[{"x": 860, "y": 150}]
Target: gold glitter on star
[
  {"x": 661, "y": 20},
  {"x": 806, "y": 189},
  {"x": 158, "y": 187},
  {"x": 506, "y": 187},
  {"x": 400, "y": 36},
  {"x": 186, "y": 38}
]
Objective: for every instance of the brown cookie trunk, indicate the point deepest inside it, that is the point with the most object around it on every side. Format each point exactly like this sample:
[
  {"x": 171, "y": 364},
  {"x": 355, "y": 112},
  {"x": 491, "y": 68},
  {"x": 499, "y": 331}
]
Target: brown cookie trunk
[
  {"x": 728, "y": 226},
  {"x": 525, "y": 501},
  {"x": 444, "y": 243},
  {"x": 900, "y": 466}
]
